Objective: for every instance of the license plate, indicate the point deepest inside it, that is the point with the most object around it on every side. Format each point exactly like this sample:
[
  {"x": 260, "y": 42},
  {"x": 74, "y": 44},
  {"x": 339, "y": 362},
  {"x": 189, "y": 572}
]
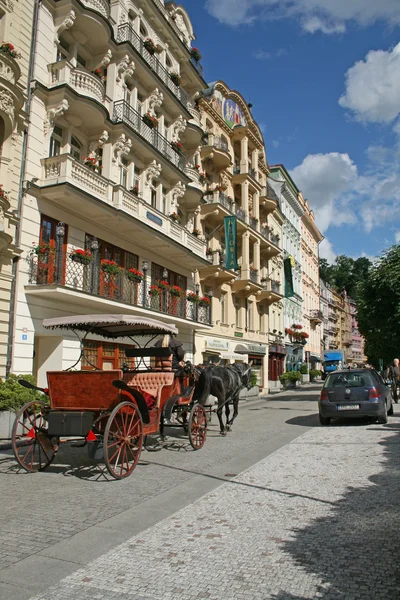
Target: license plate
[{"x": 348, "y": 407}]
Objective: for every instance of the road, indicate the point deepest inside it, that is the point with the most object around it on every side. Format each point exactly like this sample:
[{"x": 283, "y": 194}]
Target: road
[{"x": 281, "y": 508}]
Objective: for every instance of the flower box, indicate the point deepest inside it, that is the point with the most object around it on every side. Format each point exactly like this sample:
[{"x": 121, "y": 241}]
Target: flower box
[
  {"x": 192, "y": 297},
  {"x": 150, "y": 121},
  {"x": 135, "y": 275},
  {"x": 196, "y": 232},
  {"x": 84, "y": 257},
  {"x": 150, "y": 46},
  {"x": 177, "y": 146},
  {"x": 163, "y": 285},
  {"x": 154, "y": 291},
  {"x": 176, "y": 291},
  {"x": 174, "y": 216},
  {"x": 91, "y": 163},
  {"x": 42, "y": 249},
  {"x": 175, "y": 78},
  {"x": 135, "y": 190},
  {"x": 7, "y": 48},
  {"x": 195, "y": 54},
  {"x": 110, "y": 267},
  {"x": 204, "y": 301}
]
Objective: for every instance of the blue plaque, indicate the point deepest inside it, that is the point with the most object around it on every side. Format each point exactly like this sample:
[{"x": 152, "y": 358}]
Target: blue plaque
[{"x": 154, "y": 218}]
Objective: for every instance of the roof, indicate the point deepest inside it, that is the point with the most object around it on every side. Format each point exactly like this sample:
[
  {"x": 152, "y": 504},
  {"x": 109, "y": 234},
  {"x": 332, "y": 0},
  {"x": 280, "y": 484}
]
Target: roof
[{"x": 111, "y": 326}]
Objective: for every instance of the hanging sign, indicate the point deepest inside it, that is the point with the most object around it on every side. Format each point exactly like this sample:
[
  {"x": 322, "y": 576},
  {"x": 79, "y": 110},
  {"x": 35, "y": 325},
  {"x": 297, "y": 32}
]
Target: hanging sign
[
  {"x": 230, "y": 225},
  {"x": 289, "y": 290}
]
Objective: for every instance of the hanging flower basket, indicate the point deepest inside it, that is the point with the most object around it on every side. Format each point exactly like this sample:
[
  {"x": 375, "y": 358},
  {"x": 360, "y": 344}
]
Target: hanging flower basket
[
  {"x": 204, "y": 301},
  {"x": 135, "y": 275},
  {"x": 150, "y": 46},
  {"x": 135, "y": 190},
  {"x": 202, "y": 178},
  {"x": 84, "y": 257},
  {"x": 91, "y": 163},
  {"x": 154, "y": 291},
  {"x": 177, "y": 147},
  {"x": 150, "y": 121},
  {"x": 196, "y": 232},
  {"x": 192, "y": 297},
  {"x": 174, "y": 216},
  {"x": 175, "y": 78},
  {"x": 163, "y": 285},
  {"x": 195, "y": 54},
  {"x": 176, "y": 291},
  {"x": 42, "y": 249},
  {"x": 4, "y": 195},
  {"x": 7, "y": 48},
  {"x": 98, "y": 73},
  {"x": 110, "y": 267}
]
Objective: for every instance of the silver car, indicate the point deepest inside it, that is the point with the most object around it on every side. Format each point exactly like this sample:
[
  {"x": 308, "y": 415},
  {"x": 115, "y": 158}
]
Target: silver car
[{"x": 355, "y": 393}]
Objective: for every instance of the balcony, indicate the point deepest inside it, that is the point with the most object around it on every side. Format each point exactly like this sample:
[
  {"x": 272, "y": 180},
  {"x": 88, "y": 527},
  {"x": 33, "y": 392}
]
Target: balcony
[
  {"x": 247, "y": 281},
  {"x": 124, "y": 113},
  {"x": 57, "y": 275},
  {"x": 316, "y": 316},
  {"x": 126, "y": 33},
  {"x": 270, "y": 236},
  {"x": 241, "y": 173},
  {"x": 269, "y": 199},
  {"x": 217, "y": 270},
  {"x": 81, "y": 80},
  {"x": 216, "y": 149},
  {"x": 11, "y": 93},
  {"x": 101, "y": 6},
  {"x": 271, "y": 291}
]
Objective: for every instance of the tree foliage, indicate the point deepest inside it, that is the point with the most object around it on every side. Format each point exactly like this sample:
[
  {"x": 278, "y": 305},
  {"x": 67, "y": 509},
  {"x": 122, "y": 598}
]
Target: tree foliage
[
  {"x": 345, "y": 273},
  {"x": 378, "y": 308},
  {"x": 13, "y": 395}
]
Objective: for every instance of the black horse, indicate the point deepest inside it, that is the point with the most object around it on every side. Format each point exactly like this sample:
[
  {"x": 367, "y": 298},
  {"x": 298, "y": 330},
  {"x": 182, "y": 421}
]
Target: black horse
[{"x": 225, "y": 383}]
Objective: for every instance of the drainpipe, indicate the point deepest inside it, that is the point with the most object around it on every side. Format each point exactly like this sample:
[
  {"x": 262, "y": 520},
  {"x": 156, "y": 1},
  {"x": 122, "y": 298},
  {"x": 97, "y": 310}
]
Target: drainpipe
[{"x": 29, "y": 93}]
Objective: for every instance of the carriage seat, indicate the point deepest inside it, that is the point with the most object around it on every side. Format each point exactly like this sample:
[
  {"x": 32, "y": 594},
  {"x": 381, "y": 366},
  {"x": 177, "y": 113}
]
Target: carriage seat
[{"x": 151, "y": 382}]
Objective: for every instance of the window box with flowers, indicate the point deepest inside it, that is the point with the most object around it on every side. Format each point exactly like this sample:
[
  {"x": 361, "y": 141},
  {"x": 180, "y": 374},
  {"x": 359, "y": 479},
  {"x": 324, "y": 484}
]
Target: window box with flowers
[
  {"x": 196, "y": 232},
  {"x": 174, "y": 217},
  {"x": 83, "y": 257},
  {"x": 4, "y": 195},
  {"x": 135, "y": 190},
  {"x": 42, "y": 250},
  {"x": 110, "y": 267},
  {"x": 204, "y": 301},
  {"x": 195, "y": 54},
  {"x": 135, "y": 275},
  {"x": 150, "y": 120},
  {"x": 176, "y": 291},
  {"x": 210, "y": 252},
  {"x": 91, "y": 163},
  {"x": 99, "y": 74},
  {"x": 150, "y": 46},
  {"x": 175, "y": 78},
  {"x": 154, "y": 291},
  {"x": 177, "y": 146},
  {"x": 203, "y": 178},
  {"x": 9, "y": 49},
  {"x": 163, "y": 285},
  {"x": 193, "y": 297}
]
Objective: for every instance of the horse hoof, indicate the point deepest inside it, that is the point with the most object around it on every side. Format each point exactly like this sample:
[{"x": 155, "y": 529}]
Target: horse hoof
[
  {"x": 222, "y": 432},
  {"x": 228, "y": 428}
]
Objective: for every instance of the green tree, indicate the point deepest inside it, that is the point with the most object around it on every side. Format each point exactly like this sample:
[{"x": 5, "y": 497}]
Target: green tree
[
  {"x": 378, "y": 308},
  {"x": 345, "y": 273},
  {"x": 325, "y": 271}
]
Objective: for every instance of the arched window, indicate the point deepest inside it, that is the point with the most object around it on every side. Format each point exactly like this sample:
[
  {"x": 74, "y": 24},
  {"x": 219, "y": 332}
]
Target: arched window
[{"x": 143, "y": 31}]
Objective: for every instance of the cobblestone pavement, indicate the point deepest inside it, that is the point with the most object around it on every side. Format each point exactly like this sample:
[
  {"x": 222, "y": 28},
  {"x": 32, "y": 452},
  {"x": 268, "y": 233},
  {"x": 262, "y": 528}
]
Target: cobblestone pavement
[{"x": 318, "y": 518}]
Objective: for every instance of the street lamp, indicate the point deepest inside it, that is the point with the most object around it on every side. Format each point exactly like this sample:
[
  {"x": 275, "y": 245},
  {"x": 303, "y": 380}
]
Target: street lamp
[
  {"x": 165, "y": 274},
  {"x": 60, "y": 233},
  {"x": 145, "y": 267}
]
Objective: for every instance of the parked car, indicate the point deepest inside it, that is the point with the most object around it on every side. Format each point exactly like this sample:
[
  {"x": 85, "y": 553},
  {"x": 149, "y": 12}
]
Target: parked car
[{"x": 355, "y": 393}]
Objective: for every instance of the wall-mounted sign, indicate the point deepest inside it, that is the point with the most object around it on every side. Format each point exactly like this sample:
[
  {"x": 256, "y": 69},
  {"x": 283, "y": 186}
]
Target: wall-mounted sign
[
  {"x": 229, "y": 110},
  {"x": 216, "y": 344},
  {"x": 230, "y": 226},
  {"x": 257, "y": 349},
  {"x": 24, "y": 337},
  {"x": 238, "y": 334},
  {"x": 154, "y": 218}
]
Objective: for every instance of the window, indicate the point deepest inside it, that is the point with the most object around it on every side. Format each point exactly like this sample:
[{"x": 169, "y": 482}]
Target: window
[
  {"x": 153, "y": 197},
  {"x": 124, "y": 172},
  {"x": 237, "y": 312},
  {"x": 223, "y": 307},
  {"x": 172, "y": 278},
  {"x": 81, "y": 61},
  {"x": 168, "y": 62},
  {"x": 249, "y": 314},
  {"x": 105, "y": 356},
  {"x": 56, "y": 141},
  {"x": 63, "y": 50},
  {"x": 128, "y": 95},
  {"x": 143, "y": 31},
  {"x": 76, "y": 148},
  {"x": 107, "y": 251},
  {"x": 46, "y": 266},
  {"x": 260, "y": 316}
]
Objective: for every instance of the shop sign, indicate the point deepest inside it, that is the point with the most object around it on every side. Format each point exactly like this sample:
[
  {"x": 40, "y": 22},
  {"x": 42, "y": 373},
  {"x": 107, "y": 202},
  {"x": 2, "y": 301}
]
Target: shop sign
[
  {"x": 217, "y": 344},
  {"x": 257, "y": 349},
  {"x": 238, "y": 334},
  {"x": 154, "y": 218}
]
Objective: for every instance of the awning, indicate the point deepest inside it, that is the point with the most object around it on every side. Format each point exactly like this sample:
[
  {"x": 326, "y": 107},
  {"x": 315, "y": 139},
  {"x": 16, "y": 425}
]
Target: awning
[
  {"x": 315, "y": 358},
  {"x": 241, "y": 349},
  {"x": 232, "y": 356}
]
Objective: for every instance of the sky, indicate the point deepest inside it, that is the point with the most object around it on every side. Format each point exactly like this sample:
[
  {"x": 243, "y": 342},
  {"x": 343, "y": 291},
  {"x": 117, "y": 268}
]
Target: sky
[{"x": 324, "y": 80}]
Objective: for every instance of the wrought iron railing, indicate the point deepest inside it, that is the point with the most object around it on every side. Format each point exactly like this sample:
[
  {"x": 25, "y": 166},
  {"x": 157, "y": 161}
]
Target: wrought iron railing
[
  {"x": 253, "y": 173},
  {"x": 253, "y": 222},
  {"x": 221, "y": 144},
  {"x": 198, "y": 66},
  {"x": 126, "y": 33},
  {"x": 254, "y": 275},
  {"x": 240, "y": 213},
  {"x": 124, "y": 113},
  {"x": 54, "y": 267}
]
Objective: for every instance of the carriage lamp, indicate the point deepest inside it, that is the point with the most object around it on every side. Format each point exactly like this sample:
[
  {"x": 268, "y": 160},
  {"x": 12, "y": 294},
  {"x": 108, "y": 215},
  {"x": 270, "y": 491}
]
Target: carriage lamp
[
  {"x": 145, "y": 266},
  {"x": 165, "y": 274},
  {"x": 60, "y": 229},
  {"x": 94, "y": 245},
  {"x": 197, "y": 288},
  {"x": 210, "y": 294}
]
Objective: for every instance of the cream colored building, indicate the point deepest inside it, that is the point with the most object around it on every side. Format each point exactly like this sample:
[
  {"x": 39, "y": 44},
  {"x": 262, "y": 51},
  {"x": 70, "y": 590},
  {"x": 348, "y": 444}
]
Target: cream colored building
[
  {"x": 312, "y": 314},
  {"x": 110, "y": 149},
  {"x": 16, "y": 20},
  {"x": 246, "y": 299}
]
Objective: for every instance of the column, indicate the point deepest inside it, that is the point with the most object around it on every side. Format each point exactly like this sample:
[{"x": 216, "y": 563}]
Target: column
[
  {"x": 244, "y": 151},
  {"x": 256, "y": 207},
  {"x": 246, "y": 255},
  {"x": 245, "y": 196},
  {"x": 256, "y": 255},
  {"x": 254, "y": 161}
]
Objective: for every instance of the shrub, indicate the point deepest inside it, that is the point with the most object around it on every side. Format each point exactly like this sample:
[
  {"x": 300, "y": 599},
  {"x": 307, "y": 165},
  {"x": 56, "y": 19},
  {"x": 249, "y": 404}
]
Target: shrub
[
  {"x": 314, "y": 373},
  {"x": 13, "y": 395},
  {"x": 253, "y": 379},
  {"x": 304, "y": 370},
  {"x": 291, "y": 376}
]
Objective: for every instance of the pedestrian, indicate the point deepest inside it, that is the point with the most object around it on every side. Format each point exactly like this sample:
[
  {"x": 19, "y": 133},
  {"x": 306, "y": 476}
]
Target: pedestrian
[
  {"x": 395, "y": 377},
  {"x": 177, "y": 351}
]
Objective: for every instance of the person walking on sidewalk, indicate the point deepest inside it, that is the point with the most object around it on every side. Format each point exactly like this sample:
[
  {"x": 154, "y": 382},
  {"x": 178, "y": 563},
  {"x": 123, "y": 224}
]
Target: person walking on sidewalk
[{"x": 395, "y": 377}]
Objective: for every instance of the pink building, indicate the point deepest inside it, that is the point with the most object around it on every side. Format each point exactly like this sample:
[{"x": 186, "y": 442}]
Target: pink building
[{"x": 357, "y": 340}]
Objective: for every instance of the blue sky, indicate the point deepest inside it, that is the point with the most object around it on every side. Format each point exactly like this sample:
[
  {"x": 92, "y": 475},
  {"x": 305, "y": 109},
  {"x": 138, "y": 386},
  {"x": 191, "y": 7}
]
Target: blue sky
[{"x": 324, "y": 79}]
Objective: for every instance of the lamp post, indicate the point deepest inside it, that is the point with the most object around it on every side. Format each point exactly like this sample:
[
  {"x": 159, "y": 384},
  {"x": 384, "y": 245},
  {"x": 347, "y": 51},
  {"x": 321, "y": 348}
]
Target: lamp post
[
  {"x": 145, "y": 266},
  {"x": 196, "y": 312},
  {"x": 165, "y": 293},
  {"x": 95, "y": 278},
  {"x": 60, "y": 233},
  {"x": 210, "y": 295}
]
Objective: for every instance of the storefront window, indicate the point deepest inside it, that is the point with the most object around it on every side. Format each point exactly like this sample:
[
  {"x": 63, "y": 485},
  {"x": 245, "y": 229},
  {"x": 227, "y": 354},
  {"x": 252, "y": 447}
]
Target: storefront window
[{"x": 105, "y": 356}]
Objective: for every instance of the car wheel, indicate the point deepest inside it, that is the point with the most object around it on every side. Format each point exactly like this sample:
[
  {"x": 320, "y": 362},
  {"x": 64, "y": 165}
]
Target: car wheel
[
  {"x": 390, "y": 412},
  {"x": 384, "y": 418},
  {"x": 324, "y": 420}
]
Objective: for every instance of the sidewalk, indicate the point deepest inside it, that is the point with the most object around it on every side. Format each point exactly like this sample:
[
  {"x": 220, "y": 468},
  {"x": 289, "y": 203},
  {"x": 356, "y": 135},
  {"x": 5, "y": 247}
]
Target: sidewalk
[{"x": 318, "y": 518}]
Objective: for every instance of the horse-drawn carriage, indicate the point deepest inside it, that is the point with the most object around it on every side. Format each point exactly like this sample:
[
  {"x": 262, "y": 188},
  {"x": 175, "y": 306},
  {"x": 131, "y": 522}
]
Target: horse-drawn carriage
[{"x": 111, "y": 410}]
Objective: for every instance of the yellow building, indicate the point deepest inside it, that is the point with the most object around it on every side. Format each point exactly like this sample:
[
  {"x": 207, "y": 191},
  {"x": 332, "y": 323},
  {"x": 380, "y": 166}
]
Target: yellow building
[{"x": 234, "y": 171}]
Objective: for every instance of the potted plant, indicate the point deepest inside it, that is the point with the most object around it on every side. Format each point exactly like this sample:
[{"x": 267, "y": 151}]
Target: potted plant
[
  {"x": 315, "y": 374},
  {"x": 150, "y": 120},
  {"x": 83, "y": 257},
  {"x": 174, "y": 216},
  {"x": 98, "y": 73},
  {"x": 196, "y": 232},
  {"x": 305, "y": 376},
  {"x": 195, "y": 54},
  {"x": 110, "y": 267},
  {"x": 135, "y": 190},
  {"x": 289, "y": 379},
  {"x": 209, "y": 252},
  {"x": 154, "y": 291},
  {"x": 135, "y": 275},
  {"x": 41, "y": 249},
  {"x": 177, "y": 146},
  {"x": 202, "y": 178},
  {"x": 3, "y": 194},
  {"x": 204, "y": 301},
  {"x": 192, "y": 297},
  {"x": 175, "y": 78},
  {"x": 176, "y": 291},
  {"x": 150, "y": 46},
  {"x": 9, "y": 49},
  {"x": 163, "y": 285},
  {"x": 91, "y": 163}
]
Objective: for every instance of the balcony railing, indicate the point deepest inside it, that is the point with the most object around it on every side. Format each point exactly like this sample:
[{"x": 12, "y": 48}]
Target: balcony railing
[
  {"x": 198, "y": 66},
  {"x": 272, "y": 286},
  {"x": 102, "y": 6},
  {"x": 124, "y": 113},
  {"x": 55, "y": 268},
  {"x": 254, "y": 276},
  {"x": 253, "y": 223},
  {"x": 81, "y": 80},
  {"x": 268, "y": 235},
  {"x": 316, "y": 315},
  {"x": 240, "y": 213},
  {"x": 221, "y": 144},
  {"x": 126, "y": 33}
]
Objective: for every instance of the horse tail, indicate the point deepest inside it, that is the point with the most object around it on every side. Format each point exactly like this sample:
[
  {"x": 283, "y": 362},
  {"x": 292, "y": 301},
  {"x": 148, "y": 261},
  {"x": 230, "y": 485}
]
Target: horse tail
[{"x": 203, "y": 387}]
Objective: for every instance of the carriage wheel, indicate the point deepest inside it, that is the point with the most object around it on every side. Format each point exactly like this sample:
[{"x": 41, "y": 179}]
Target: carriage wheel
[
  {"x": 123, "y": 440},
  {"x": 197, "y": 426},
  {"x": 32, "y": 447}
]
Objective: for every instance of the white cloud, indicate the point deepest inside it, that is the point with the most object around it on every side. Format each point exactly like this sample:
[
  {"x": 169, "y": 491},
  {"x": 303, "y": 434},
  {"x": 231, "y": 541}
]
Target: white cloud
[
  {"x": 264, "y": 55},
  {"x": 326, "y": 251},
  {"x": 326, "y": 180},
  {"x": 373, "y": 87},
  {"x": 327, "y": 16},
  {"x": 397, "y": 237}
]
